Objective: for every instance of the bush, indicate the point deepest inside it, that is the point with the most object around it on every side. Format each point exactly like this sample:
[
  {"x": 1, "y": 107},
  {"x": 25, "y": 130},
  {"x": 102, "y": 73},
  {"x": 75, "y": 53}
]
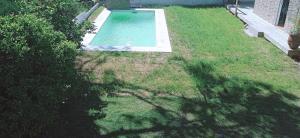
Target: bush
[
  {"x": 37, "y": 71},
  {"x": 7, "y": 7},
  {"x": 60, "y": 13},
  {"x": 87, "y": 3}
]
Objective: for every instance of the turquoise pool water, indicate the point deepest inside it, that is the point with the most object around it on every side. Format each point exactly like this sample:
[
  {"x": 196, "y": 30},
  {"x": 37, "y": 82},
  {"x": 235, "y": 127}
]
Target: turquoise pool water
[{"x": 127, "y": 28}]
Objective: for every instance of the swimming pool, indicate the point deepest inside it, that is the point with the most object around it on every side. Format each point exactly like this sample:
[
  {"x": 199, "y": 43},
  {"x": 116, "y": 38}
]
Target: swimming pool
[{"x": 129, "y": 30}]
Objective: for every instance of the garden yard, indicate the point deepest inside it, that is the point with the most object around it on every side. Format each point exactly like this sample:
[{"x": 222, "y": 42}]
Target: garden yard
[{"x": 217, "y": 82}]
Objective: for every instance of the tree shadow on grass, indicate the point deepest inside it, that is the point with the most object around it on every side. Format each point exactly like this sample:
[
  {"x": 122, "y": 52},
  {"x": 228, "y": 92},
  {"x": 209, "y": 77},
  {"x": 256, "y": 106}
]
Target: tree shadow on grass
[
  {"x": 78, "y": 111},
  {"x": 239, "y": 107},
  {"x": 225, "y": 107}
]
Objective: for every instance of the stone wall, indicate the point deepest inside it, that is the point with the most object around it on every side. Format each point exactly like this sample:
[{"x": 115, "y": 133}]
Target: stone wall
[
  {"x": 294, "y": 11},
  {"x": 267, "y": 9},
  {"x": 178, "y": 2}
]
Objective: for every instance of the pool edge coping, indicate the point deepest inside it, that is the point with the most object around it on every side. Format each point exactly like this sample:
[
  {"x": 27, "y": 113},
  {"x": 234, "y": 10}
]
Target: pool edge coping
[{"x": 163, "y": 43}]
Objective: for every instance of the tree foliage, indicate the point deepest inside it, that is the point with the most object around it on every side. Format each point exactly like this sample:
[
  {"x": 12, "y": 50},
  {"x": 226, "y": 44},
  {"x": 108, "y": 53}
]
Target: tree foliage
[
  {"x": 38, "y": 47},
  {"x": 8, "y": 7},
  {"x": 37, "y": 66},
  {"x": 60, "y": 13}
]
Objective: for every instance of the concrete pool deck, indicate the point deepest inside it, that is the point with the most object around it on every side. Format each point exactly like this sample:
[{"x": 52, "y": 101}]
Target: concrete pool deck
[
  {"x": 163, "y": 43},
  {"x": 256, "y": 26}
]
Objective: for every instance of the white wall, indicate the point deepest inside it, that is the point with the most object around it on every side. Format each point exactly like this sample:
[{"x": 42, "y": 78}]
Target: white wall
[{"x": 179, "y": 2}]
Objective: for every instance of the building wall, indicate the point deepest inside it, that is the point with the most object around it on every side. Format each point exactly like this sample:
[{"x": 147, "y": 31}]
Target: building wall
[
  {"x": 267, "y": 9},
  {"x": 179, "y": 2},
  {"x": 294, "y": 11}
]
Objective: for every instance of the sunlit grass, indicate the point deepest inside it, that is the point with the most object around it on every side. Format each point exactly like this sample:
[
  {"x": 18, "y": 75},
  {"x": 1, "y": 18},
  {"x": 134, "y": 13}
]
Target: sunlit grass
[{"x": 211, "y": 54}]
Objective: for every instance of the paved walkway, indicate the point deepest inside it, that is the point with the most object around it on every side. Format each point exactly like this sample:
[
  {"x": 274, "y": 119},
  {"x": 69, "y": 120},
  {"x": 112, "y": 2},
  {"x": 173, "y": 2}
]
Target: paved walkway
[
  {"x": 86, "y": 14},
  {"x": 257, "y": 26}
]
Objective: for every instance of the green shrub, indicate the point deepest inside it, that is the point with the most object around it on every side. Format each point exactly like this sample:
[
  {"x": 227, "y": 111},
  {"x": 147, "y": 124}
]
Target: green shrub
[
  {"x": 38, "y": 41},
  {"x": 37, "y": 70},
  {"x": 60, "y": 13},
  {"x": 87, "y": 3},
  {"x": 7, "y": 7}
]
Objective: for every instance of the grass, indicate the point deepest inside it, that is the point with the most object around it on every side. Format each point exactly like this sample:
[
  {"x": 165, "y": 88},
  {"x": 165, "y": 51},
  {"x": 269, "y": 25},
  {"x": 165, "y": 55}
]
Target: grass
[
  {"x": 95, "y": 14},
  {"x": 216, "y": 82}
]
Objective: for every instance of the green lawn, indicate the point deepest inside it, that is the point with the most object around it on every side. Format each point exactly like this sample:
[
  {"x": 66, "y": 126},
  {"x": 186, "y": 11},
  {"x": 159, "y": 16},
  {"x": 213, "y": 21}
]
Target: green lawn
[{"x": 216, "y": 82}]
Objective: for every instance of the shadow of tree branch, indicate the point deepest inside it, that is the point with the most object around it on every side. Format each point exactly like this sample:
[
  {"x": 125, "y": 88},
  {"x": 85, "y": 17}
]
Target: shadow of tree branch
[{"x": 226, "y": 107}]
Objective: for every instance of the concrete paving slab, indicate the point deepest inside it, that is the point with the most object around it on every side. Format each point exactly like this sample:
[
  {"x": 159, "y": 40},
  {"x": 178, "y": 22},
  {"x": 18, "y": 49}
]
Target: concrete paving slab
[{"x": 256, "y": 24}]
